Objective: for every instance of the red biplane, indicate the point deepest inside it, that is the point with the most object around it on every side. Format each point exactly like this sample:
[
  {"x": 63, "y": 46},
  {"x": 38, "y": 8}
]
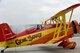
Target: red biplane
[{"x": 51, "y": 31}]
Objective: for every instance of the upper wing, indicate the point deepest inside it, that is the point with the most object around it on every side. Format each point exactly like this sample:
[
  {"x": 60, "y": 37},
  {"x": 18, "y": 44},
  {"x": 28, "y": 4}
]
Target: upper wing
[{"x": 66, "y": 10}]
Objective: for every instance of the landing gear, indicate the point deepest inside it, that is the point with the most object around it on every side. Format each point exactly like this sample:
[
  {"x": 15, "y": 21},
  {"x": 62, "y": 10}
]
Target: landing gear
[
  {"x": 2, "y": 51},
  {"x": 70, "y": 45}
]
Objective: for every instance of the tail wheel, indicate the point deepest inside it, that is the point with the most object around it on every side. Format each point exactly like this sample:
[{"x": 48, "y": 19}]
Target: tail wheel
[{"x": 71, "y": 45}]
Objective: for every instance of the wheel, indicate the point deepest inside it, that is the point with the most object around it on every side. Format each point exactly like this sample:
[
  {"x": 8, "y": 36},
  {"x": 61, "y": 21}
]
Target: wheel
[
  {"x": 72, "y": 48},
  {"x": 71, "y": 45},
  {"x": 2, "y": 51}
]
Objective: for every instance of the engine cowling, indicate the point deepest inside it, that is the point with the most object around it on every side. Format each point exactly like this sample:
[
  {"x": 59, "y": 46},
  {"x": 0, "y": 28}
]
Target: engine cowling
[{"x": 75, "y": 26}]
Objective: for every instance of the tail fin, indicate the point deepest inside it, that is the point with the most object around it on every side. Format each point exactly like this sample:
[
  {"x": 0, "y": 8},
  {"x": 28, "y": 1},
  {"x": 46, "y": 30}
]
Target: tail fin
[{"x": 5, "y": 32}]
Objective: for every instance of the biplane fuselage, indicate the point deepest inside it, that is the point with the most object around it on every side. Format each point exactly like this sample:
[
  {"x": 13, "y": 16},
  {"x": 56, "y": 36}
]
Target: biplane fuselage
[{"x": 35, "y": 35}]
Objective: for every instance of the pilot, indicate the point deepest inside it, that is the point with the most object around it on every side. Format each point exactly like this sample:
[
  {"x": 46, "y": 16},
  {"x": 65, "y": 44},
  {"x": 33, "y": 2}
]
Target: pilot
[{"x": 39, "y": 26}]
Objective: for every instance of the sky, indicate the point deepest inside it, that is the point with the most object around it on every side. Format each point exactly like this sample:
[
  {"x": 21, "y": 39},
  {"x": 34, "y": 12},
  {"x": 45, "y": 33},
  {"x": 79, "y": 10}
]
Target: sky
[{"x": 22, "y": 12}]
